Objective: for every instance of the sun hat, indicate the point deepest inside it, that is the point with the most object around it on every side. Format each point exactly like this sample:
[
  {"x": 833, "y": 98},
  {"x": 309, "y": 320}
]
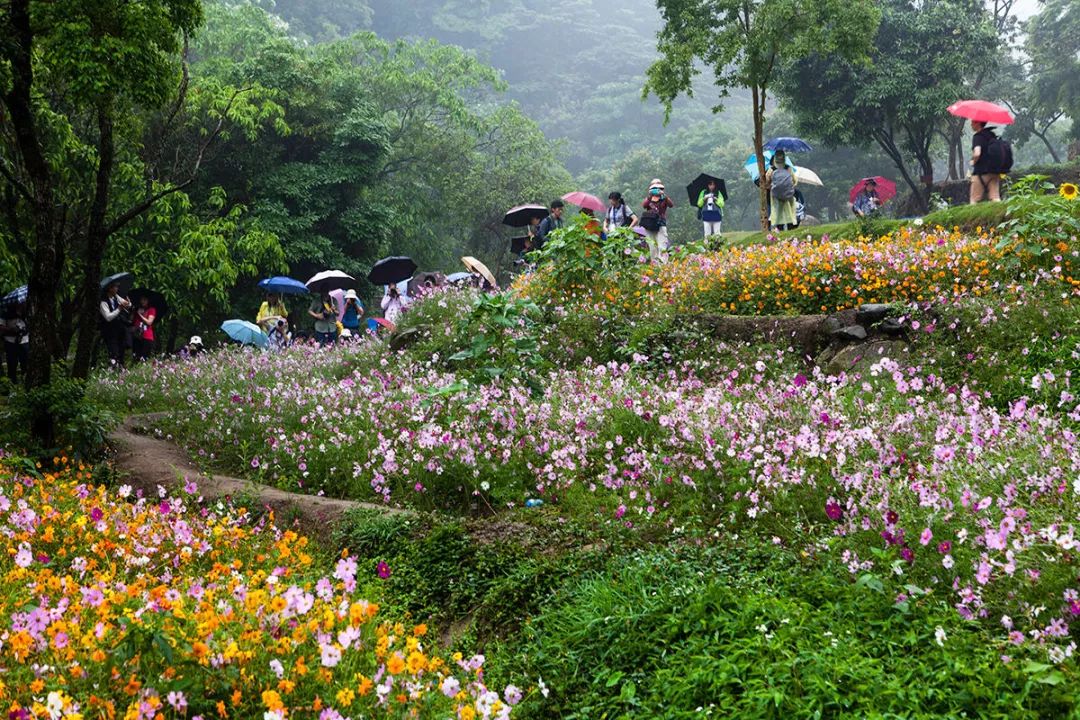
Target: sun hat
[
  {"x": 346, "y": 333},
  {"x": 195, "y": 340},
  {"x": 351, "y": 295},
  {"x": 656, "y": 184}
]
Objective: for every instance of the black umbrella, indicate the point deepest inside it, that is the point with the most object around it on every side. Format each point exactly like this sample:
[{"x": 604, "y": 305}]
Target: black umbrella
[
  {"x": 521, "y": 215},
  {"x": 157, "y": 300},
  {"x": 694, "y": 189},
  {"x": 391, "y": 270},
  {"x": 124, "y": 280},
  {"x": 329, "y": 280}
]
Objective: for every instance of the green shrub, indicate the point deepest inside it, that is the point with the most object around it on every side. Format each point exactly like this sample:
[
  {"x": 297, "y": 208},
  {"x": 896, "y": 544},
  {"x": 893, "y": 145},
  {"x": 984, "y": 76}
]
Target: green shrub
[
  {"x": 79, "y": 425},
  {"x": 967, "y": 218}
]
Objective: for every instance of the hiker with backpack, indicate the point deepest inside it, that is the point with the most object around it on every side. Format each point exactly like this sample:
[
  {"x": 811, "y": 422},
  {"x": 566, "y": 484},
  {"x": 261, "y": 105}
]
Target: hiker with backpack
[
  {"x": 654, "y": 220},
  {"x": 618, "y": 214},
  {"x": 990, "y": 158},
  {"x": 780, "y": 181}
]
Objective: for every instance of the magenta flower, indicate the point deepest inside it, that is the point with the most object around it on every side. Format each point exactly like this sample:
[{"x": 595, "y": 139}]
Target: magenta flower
[
  {"x": 833, "y": 510},
  {"x": 907, "y": 554},
  {"x": 96, "y": 514},
  {"x": 800, "y": 380},
  {"x": 944, "y": 547},
  {"x": 382, "y": 570}
]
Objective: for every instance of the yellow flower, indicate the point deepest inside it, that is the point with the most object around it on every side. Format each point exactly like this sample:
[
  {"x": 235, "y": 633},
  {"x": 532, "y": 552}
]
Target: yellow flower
[
  {"x": 345, "y": 697},
  {"x": 1069, "y": 191},
  {"x": 395, "y": 664}
]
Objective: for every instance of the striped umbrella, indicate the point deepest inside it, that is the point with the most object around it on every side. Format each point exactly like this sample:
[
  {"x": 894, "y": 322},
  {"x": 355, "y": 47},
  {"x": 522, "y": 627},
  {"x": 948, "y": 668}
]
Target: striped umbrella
[{"x": 16, "y": 296}]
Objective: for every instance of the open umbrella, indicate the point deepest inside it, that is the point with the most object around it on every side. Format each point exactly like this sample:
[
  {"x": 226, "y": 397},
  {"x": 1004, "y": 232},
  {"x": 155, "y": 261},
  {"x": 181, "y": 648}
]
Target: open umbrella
[
  {"x": 886, "y": 188},
  {"x": 751, "y": 164},
  {"x": 331, "y": 280},
  {"x": 245, "y": 333},
  {"x": 16, "y": 296},
  {"x": 458, "y": 277},
  {"x": 124, "y": 280},
  {"x": 157, "y": 301},
  {"x": 339, "y": 297},
  {"x": 788, "y": 144},
  {"x": 283, "y": 286},
  {"x": 807, "y": 176},
  {"x": 981, "y": 111},
  {"x": 521, "y": 215},
  {"x": 638, "y": 230},
  {"x": 694, "y": 189},
  {"x": 391, "y": 270},
  {"x": 585, "y": 200},
  {"x": 475, "y": 266}
]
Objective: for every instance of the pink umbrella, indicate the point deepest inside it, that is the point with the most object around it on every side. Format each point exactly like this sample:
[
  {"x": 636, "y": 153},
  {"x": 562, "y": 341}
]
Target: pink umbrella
[
  {"x": 886, "y": 188},
  {"x": 981, "y": 111},
  {"x": 585, "y": 200},
  {"x": 339, "y": 295}
]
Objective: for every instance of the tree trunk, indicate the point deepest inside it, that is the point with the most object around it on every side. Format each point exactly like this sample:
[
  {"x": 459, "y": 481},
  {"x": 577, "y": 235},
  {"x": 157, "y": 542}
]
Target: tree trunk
[
  {"x": 759, "y": 140},
  {"x": 96, "y": 239},
  {"x": 1048, "y": 144},
  {"x": 888, "y": 145},
  {"x": 47, "y": 255}
]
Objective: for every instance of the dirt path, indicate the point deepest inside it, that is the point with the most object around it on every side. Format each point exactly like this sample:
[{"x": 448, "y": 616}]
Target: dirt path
[{"x": 145, "y": 462}]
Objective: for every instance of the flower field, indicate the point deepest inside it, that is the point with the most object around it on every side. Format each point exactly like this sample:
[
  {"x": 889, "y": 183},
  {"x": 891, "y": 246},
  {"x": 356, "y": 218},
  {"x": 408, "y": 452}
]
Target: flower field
[
  {"x": 788, "y": 277},
  {"x": 893, "y": 472},
  {"x": 117, "y": 606},
  {"x": 936, "y": 485}
]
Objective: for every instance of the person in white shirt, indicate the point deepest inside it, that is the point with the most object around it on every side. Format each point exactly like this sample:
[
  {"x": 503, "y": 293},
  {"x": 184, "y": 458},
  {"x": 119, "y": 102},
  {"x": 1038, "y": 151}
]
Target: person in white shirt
[
  {"x": 392, "y": 304},
  {"x": 113, "y": 328}
]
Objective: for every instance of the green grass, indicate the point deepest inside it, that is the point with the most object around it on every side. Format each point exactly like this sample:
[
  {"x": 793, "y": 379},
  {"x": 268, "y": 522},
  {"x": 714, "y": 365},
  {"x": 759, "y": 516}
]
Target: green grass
[
  {"x": 749, "y": 631},
  {"x": 968, "y": 217}
]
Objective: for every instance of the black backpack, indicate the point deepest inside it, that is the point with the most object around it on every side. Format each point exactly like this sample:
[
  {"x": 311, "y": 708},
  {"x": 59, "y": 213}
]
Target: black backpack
[{"x": 999, "y": 155}]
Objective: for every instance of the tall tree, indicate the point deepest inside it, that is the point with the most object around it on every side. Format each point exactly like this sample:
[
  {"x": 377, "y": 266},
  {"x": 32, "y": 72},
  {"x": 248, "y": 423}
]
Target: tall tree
[
  {"x": 87, "y": 89},
  {"x": 1053, "y": 44},
  {"x": 746, "y": 43},
  {"x": 921, "y": 54}
]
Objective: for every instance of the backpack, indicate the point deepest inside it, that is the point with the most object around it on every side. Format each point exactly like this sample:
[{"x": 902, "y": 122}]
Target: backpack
[
  {"x": 783, "y": 184},
  {"x": 650, "y": 220},
  {"x": 999, "y": 155}
]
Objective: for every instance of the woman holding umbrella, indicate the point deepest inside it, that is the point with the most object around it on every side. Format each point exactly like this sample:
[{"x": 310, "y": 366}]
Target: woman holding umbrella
[
  {"x": 142, "y": 329},
  {"x": 113, "y": 327},
  {"x": 780, "y": 181},
  {"x": 325, "y": 311}
]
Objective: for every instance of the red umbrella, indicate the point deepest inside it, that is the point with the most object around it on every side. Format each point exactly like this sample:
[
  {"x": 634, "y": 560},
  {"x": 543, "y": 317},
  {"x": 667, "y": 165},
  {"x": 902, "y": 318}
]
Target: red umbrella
[
  {"x": 585, "y": 200},
  {"x": 886, "y": 188},
  {"x": 982, "y": 111},
  {"x": 385, "y": 323}
]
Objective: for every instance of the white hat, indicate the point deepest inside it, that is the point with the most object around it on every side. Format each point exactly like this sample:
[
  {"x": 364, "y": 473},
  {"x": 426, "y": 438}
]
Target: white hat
[
  {"x": 656, "y": 184},
  {"x": 351, "y": 295},
  {"x": 195, "y": 340},
  {"x": 346, "y": 332}
]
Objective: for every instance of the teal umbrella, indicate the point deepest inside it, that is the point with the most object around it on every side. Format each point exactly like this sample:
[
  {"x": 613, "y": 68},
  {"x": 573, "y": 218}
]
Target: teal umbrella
[{"x": 245, "y": 333}]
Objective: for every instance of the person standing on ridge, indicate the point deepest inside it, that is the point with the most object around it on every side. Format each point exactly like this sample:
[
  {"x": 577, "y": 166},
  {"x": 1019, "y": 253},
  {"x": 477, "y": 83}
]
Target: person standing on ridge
[{"x": 654, "y": 220}]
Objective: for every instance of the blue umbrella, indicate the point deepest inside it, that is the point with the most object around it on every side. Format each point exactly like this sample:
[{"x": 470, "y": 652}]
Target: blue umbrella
[
  {"x": 788, "y": 144},
  {"x": 245, "y": 333},
  {"x": 15, "y": 297},
  {"x": 751, "y": 164},
  {"x": 284, "y": 286}
]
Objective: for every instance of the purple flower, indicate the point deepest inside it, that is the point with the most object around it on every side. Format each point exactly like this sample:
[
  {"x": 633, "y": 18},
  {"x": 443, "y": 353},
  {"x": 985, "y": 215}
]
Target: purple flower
[
  {"x": 382, "y": 570},
  {"x": 907, "y": 554},
  {"x": 800, "y": 380},
  {"x": 833, "y": 510},
  {"x": 96, "y": 514}
]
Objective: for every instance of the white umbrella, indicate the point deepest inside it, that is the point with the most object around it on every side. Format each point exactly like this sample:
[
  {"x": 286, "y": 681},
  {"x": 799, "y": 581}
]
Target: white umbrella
[
  {"x": 329, "y": 280},
  {"x": 807, "y": 176}
]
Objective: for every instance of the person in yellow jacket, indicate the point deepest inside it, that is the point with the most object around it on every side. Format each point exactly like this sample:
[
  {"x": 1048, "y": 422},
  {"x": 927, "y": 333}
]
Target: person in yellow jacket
[
  {"x": 710, "y": 204},
  {"x": 270, "y": 312}
]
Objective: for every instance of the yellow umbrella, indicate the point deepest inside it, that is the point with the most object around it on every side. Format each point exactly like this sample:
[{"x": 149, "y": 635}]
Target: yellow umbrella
[{"x": 475, "y": 266}]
